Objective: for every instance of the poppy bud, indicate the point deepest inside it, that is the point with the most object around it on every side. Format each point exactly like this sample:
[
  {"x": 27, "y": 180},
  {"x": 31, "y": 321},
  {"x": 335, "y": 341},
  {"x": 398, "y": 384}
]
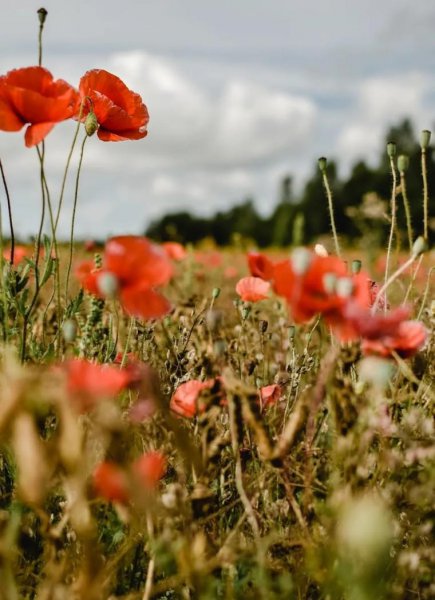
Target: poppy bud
[
  {"x": 42, "y": 15},
  {"x": 107, "y": 284},
  {"x": 391, "y": 149},
  {"x": 403, "y": 163},
  {"x": 320, "y": 250},
  {"x": 91, "y": 124},
  {"x": 419, "y": 246},
  {"x": 69, "y": 330},
  {"x": 425, "y": 139},
  {"x": 356, "y": 266},
  {"x": 330, "y": 282},
  {"x": 301, "y": 258},
  {"x": 344, "y": 287},
  {"x": 215, "y": 293},
  {"x": 376, "y": 371},
  {"x": 364, "y": 532},
  {"x": 323, "y": 163}
]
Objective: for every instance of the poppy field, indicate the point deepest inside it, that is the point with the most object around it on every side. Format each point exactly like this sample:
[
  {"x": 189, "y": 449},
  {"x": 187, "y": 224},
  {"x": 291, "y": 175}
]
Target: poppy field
[{"x": 195, "y": 422}]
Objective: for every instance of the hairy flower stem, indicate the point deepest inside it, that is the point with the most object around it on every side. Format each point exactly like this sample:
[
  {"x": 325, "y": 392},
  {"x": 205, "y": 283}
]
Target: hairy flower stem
[
  {"x": 76, "y": 193},
  {"x": 331, "y": 212},
  {"x": 393, "y": 227},
  {"x": 53, "y": 242},
  {"x": 425, "y": 194},
  {"x": 426, "y": 292},
  {"x": 11, "y": 224},
  {"x": 65, "y": 173},
  {"x": 37, "y": 252},
  {"x": 407, "y": 208}
]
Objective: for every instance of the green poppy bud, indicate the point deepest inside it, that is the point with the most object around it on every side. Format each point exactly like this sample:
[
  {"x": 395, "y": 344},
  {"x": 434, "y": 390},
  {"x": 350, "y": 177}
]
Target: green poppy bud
[
  {"x": 91, "y": 124},
  {"x": 69, "y": 330},
  {"x": 356, "y": 266},
  {"x": 419, "y": 246},
  {"x": 323, "y": 163},
  {"x": 42, "y": 15},
  {"x": 391, "y": 149},
  {"x": 425, "y": 139},
  {"x": 108, "y": 284},
  {"x": 403, "y": 163}
]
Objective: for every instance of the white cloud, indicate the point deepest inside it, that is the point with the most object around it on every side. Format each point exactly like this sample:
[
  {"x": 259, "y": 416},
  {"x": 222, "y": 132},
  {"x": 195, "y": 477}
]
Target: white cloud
[
  {"x": 205, "y": 150},
  {"x": 244, "y": 123},
  {"x": 381, "y": 102}
]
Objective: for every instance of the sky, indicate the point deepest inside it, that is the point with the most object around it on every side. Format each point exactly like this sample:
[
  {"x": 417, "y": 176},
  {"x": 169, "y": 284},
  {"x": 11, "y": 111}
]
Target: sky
[{"x": 240, "y": 93}]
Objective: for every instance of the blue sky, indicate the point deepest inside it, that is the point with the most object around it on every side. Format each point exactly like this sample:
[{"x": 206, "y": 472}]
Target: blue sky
[{"x": 239, "y": 92}]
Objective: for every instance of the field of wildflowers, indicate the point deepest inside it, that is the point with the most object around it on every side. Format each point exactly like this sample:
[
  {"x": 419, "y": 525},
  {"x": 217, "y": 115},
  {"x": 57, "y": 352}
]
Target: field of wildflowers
[{"x": 194, "y": 423}]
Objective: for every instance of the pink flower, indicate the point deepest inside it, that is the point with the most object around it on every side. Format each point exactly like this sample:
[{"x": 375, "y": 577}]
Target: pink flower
[
  {"x": 270, "y": 394},
  {"x": 184, "y": 401},
  {"x": 252, "y": 289}
]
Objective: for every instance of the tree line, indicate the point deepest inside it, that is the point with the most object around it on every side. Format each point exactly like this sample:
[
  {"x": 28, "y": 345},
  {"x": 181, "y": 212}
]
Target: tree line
[{"x": 361, "y": 205}]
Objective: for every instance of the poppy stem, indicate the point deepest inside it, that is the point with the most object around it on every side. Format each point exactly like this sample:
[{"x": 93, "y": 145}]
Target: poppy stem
[
  {"x": 390, "y": 280},
  {"x": 407, "y": 209},
  {"x": 331, "y": 212},
  {"x": 65, "y": 173},
  {"x": 11, "y": 225},
  {"x": 42, "y": 15},
  {"x": 53, "y": 244},
  {"x": 76, "y": 193},
  {"x": 425, "y": 193},
  {"x": 393, "y": 227}
]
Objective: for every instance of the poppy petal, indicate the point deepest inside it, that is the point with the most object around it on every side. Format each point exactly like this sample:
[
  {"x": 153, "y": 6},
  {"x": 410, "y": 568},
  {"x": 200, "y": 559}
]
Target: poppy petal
[
  {"x": 144, "y": 303},
  {"x": 36, "y": 133},
  {"x": 252, "y": 289}
]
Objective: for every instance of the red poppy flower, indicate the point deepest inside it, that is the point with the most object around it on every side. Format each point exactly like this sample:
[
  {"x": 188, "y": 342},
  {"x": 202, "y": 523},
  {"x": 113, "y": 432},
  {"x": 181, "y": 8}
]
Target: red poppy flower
[
  {"x": 260, "y": 266},
  {"x": 150, "y": 468},
  {"x": 132, "y": 268},
  {"x": 31, "y": 96},
  {"x": 315, "y": 284},
  {"x": 252, "y": 289},
  {"x": 270, "y": 394},
  {"x": 174, "y": 250},
  {"x": 184, "y": 401},
  {"x": 374, "y": 326},
  {"x": 120, "y": 113},
  {"x": 110, "y": 482},
  {"x": 20, "y": 253},
  {"x": 410, "y": 336},
  {"x": 89, "y": 382}
]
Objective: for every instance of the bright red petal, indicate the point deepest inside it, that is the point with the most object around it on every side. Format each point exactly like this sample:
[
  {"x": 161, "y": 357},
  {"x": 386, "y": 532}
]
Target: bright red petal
[
  {"x": 260, "y": 266},
  {"x": 134, "y": 259},
  {"x": 9, "y": 120},
  {"x": 36, "y": 133},
  {"x": 110, "y": 482},
  {"x": 150, "y": 468},
  {"x": 143, "y": 302}
]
